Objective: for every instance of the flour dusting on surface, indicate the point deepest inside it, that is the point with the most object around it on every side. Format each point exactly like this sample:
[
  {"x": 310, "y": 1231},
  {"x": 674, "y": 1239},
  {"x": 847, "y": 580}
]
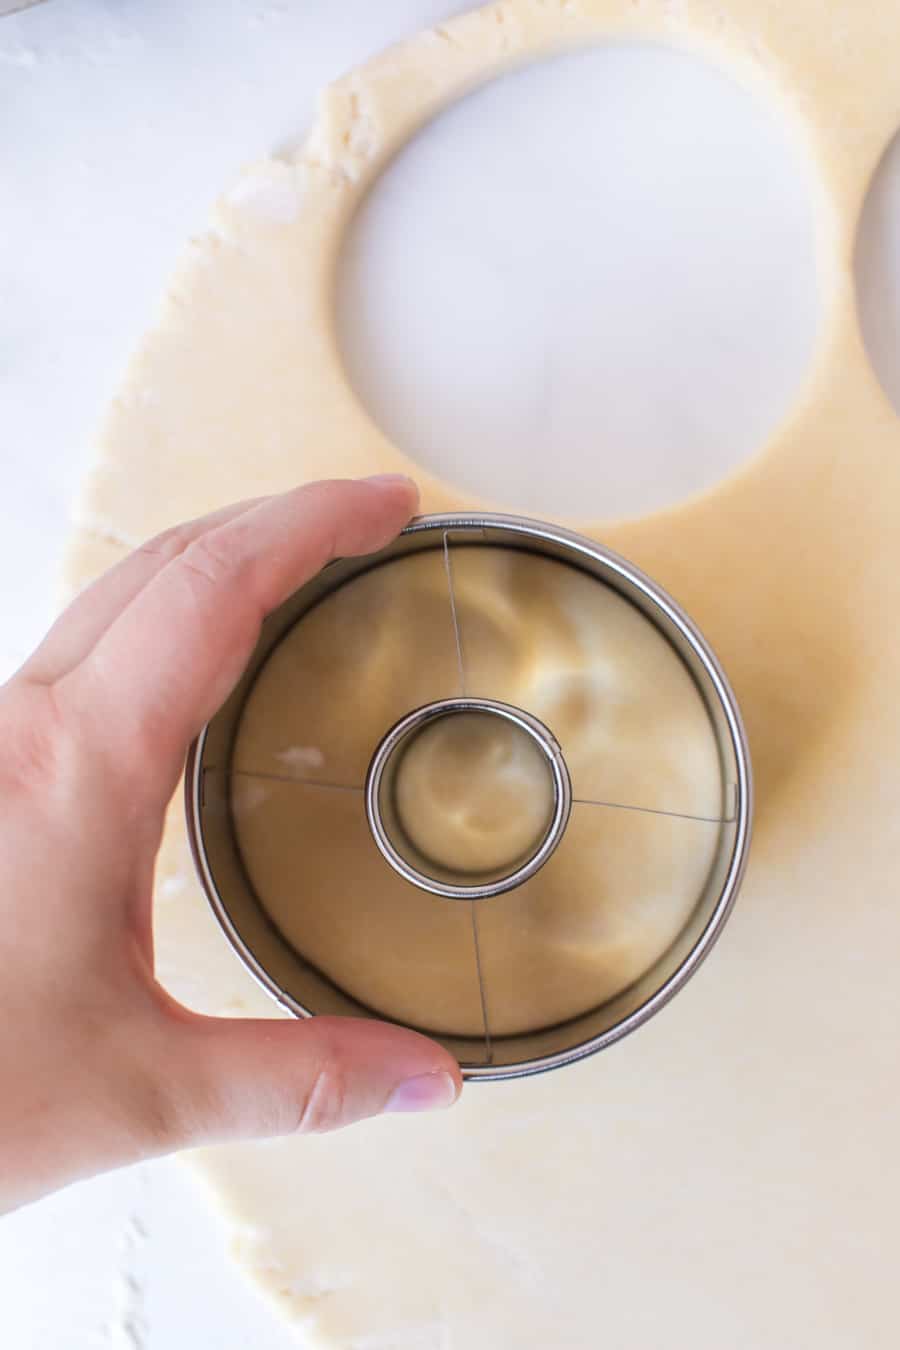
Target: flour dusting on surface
[{"x": 128, "y": 1327}]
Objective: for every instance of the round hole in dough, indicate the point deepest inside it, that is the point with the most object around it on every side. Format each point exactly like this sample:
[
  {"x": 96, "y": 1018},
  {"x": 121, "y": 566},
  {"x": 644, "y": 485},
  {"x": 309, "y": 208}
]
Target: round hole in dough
[{"x": 587, "y": 288}]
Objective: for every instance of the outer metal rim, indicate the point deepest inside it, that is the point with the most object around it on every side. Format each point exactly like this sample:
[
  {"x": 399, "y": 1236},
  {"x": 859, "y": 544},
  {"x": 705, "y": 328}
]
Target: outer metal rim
[
  {"x": 580, "y": 547},
  {"x": 562, "y": 795}
]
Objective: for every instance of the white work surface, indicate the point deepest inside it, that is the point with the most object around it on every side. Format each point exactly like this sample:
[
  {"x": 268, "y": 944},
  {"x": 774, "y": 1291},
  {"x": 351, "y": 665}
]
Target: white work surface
[{"x": 613, "y": 254}]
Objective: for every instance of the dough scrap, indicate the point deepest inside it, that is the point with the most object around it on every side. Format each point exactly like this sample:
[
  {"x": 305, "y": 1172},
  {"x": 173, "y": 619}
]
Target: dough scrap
[{"x": 715, "y": 1158}]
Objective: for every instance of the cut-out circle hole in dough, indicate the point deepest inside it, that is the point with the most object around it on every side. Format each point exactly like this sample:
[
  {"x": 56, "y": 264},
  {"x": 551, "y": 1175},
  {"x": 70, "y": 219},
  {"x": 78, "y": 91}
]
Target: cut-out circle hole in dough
[
  {"x": 878, "y": 272},
  {"x": 588, "y": 289}
]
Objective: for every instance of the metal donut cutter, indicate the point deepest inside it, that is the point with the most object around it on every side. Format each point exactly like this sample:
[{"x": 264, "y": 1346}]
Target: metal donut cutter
[{"x": 279, "y": 963}]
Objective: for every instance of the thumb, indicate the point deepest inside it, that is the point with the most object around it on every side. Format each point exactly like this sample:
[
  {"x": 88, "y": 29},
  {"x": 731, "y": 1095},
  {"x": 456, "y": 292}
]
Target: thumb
[{"x": 242, "y": 1078}]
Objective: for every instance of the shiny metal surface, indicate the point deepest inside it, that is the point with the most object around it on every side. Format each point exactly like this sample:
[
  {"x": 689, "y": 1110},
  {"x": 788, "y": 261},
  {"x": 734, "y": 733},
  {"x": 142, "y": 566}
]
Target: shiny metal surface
[
  {"x": 301, "y": 989},
  {"x": 392, "y": 744}
]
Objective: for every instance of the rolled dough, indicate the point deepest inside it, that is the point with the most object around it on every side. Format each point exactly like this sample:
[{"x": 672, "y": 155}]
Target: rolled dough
[{"x": 728, "y": 1176}]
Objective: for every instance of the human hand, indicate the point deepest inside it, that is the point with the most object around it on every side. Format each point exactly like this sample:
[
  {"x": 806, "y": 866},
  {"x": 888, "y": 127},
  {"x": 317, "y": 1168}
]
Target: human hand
[{"x": 98, "y": 1065}]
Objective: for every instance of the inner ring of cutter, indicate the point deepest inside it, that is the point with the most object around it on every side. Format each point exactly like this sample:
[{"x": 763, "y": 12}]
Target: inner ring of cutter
[{"x": 468, "y": 798}]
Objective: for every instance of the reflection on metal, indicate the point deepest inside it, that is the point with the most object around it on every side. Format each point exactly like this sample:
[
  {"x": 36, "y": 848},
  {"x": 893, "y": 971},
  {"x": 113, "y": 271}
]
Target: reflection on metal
[
  {"x": 296, "y": 984},
  {"x": 448, "y": 568},
  {"x": 379, "y": 797}
]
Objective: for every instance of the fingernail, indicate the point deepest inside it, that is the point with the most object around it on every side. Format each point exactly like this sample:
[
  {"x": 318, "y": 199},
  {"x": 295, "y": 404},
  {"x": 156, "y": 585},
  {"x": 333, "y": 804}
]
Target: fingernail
[
  {"x": 428, "y": 1092},
  {"x": 391, "y": 479}
]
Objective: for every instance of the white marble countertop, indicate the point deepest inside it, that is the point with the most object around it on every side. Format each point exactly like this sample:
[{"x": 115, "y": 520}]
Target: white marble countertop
[{"x": 120, "y": 124}]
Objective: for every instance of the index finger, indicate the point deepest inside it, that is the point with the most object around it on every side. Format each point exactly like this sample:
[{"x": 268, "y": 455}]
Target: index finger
[
  {"x": 172, "y": 657},
  {"x": 89, "y": 615}
]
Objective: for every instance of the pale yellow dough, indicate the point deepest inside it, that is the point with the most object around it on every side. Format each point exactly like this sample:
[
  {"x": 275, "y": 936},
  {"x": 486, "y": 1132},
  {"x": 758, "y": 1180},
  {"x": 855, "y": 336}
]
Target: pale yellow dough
[
  {"x": 728, "y": 1176},
  {"x": 632, "y": 727},
  {"x": 474, "y": 797}
]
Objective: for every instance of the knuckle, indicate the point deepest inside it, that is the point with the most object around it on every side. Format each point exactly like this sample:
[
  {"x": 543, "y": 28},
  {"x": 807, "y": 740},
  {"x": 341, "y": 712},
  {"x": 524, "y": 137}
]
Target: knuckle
[
  {"x": 36, "y": 740},
  {"x": 206, "y": 564},
  {"x": 168, "y": 545},
  {"x": 154, "y": 1116},
  {"x": 165, "y": 1102},
  {"x": 324, "y": 1106},
  {"x": 203, "y": 563}
]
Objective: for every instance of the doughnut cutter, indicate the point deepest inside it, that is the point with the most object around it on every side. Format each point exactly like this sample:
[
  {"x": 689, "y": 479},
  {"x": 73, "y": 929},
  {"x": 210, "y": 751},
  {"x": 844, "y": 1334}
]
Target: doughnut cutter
[{"x": 295, "y": 982}]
